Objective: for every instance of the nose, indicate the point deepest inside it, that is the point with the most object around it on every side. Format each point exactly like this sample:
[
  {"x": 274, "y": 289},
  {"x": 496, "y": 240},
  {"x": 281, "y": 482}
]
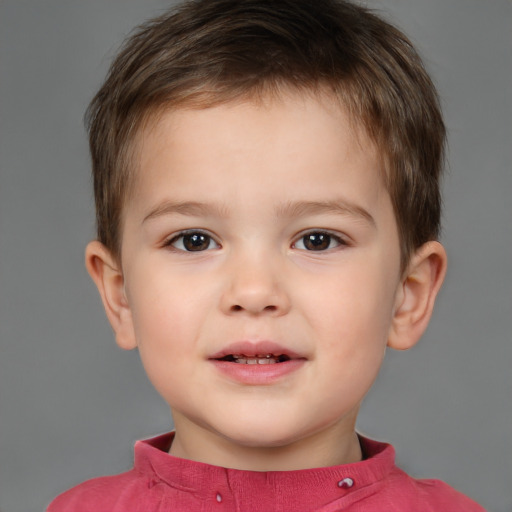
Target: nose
[{"x": 255, "y": 286}]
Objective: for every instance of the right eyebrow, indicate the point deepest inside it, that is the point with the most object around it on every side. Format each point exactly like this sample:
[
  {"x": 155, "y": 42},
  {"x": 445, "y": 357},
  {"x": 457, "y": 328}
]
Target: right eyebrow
[
  {"x": 190, "y": 208},
  {"x": 337, "y": 206}
]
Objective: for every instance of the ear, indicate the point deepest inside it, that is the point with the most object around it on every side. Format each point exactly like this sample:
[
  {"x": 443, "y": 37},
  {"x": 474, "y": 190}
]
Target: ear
[
  {"x": 416, "y": 295},
  {"x": 108, "y": 277}
]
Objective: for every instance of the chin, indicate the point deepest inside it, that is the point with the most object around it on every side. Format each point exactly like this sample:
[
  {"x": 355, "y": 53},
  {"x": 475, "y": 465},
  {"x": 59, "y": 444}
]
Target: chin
[{"x": 263, "y": 435}]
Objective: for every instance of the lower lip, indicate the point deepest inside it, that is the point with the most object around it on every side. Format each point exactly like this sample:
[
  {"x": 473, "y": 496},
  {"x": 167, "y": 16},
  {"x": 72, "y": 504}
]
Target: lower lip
[{"x": 258, "y": 374}]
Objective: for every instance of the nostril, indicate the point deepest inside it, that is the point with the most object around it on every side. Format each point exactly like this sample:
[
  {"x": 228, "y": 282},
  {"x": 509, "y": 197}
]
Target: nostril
[{"x": 236, "y": 307}]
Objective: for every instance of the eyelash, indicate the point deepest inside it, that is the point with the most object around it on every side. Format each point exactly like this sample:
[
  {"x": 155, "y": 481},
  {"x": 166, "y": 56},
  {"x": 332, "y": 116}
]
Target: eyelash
[
  {"x": 331, "y": 237},
  {"x": 172, "y": 242},
  {"x": 205, "y": 238}
]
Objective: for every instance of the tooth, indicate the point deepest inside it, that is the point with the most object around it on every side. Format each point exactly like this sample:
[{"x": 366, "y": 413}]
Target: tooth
[{"x": 258, "y": 359}]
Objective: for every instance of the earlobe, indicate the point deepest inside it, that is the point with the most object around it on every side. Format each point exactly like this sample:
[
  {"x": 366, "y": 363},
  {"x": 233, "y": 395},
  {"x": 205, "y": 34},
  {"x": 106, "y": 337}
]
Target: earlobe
[
  {"x": 416, "y": 295},
  {"x": 108, "y": 277}
]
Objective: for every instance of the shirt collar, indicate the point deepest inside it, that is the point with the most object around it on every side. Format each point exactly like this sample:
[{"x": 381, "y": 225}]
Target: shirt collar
[{"x": 323, "y": 485}]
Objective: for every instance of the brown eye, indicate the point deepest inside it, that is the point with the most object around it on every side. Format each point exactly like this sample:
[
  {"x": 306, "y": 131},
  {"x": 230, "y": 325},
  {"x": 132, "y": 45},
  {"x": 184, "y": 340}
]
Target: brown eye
[
  {"x": 318, "y": 241},
  {"x": 196, "y": 242},
  {"x": 193, "y": 242}
]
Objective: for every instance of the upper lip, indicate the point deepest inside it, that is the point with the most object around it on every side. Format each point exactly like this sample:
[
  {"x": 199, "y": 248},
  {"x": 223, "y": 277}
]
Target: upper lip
[{"x": 255, "y": 349}]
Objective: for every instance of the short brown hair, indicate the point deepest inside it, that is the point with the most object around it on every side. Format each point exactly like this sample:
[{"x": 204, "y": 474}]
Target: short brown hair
[{"x": 213, "y": 51}]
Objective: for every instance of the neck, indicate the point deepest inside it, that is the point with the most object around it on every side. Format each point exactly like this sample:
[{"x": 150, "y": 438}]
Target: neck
[{"x": 333, "y": 446}]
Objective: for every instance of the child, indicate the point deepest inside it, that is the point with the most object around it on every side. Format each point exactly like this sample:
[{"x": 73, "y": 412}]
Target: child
[{"x": 267, "y": 188}]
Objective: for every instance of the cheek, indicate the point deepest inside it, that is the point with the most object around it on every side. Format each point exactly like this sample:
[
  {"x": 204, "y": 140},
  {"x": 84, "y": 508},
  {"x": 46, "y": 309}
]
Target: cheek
[
  {"x": 355, "y": 302},
  {"x": 165, "y": 307},
  {"x": 166, "y": 338},
  {"x": 353, "y": 325},
  {"x": 162, "y": 321},
  {"x": 352, "y": 319}
]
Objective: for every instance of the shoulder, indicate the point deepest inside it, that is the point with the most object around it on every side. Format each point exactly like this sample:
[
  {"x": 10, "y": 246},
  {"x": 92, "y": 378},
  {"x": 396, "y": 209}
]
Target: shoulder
[
  {"x": 101, "y": 494},
  {"x": 137, "y": 490},
  {"x": 394, "y": 490},
  {"x": 428, "y": 495}
]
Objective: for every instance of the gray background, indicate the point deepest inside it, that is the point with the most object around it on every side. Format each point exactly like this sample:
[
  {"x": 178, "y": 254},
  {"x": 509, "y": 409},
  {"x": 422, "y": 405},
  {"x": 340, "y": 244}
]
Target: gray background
[{"x": 72, "y": 403}]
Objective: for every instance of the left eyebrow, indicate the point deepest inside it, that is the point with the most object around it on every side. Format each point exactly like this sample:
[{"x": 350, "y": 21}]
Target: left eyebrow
[
  {"x": 190, "y": 208},
  {"x": 338, "y": 207}
]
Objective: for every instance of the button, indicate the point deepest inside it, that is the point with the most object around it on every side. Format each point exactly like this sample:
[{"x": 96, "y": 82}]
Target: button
[
  {"x": 218, "y": 498},
  {"x": 346, "y": 483}
]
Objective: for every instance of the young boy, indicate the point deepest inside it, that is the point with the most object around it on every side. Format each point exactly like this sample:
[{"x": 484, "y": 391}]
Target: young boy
[{"x": 267, "y": 188}]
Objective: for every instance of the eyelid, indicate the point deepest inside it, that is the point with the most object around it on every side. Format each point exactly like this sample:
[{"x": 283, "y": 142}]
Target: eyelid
[
  {"x": 168, "y": 242},
  {"x": 342, "y": 240}
]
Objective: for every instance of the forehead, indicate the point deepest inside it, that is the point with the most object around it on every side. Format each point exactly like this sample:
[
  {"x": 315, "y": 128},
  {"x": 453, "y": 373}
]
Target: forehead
[
  {"x": 267, "y": 121},
  {"x": 274, "y": 144}
]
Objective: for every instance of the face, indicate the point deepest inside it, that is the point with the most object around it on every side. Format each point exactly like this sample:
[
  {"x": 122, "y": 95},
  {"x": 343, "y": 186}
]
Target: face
[{"x": 260, "y": 258}]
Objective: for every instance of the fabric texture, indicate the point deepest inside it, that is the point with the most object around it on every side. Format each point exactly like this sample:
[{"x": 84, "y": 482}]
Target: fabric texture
[{"x": 161, "y": 482}]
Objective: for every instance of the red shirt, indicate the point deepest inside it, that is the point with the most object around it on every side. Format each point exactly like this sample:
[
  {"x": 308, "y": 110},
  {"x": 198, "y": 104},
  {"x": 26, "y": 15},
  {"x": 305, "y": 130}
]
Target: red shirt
[{"x": 161, "y": 482}]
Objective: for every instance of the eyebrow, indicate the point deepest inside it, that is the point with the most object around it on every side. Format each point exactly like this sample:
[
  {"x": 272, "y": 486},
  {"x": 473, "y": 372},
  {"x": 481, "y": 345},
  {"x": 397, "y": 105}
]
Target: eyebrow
[
  {"x": 337, "y": 207},
  {"x": 290, "y": 209},
  {"x": 191, "y": 208}
]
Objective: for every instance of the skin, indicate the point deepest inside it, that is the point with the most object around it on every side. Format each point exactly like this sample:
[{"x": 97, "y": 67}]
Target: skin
[{"x": 261, "y": 176}]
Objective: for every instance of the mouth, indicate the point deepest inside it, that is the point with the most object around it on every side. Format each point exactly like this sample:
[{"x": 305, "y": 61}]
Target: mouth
[
  {"x": 256, "y": 359},
  {"x": 259, "y": 363},
  {"x": 260, "y": 352}
]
